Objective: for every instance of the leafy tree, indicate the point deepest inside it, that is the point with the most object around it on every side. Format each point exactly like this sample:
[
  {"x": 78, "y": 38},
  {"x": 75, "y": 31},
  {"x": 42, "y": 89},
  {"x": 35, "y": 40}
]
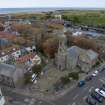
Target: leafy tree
[
  {"x": 75, "y": 20},
  {"x": 50, "y": 47},
  {"x": 74, "y": 75},
  {"x": 65, "y": 80},
  {"x": 37, "y": 69},
  {"x": 27, "y": 78},
  {"x": 85, "y": 43}
]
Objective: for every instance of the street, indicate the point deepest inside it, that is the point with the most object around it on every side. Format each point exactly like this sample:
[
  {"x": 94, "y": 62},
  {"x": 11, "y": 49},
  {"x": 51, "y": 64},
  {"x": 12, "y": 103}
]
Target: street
[{"x": 76, "y": 96}]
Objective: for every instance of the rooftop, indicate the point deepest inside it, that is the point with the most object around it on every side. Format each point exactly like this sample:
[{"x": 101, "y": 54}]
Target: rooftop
[{"x": 7, "y": 70}]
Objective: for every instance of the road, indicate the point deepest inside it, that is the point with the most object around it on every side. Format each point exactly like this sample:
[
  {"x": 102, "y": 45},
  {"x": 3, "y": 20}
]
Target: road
[{"x": 76, "y": 96}]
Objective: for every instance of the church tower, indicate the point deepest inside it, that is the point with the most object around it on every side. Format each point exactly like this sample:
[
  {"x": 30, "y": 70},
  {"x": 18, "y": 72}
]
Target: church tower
[{"x": 60, "y": 58}]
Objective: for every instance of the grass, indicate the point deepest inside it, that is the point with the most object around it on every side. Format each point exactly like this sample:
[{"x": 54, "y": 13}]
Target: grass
[
  {"x": 103, "y": 103},
  {"x": 87, "y": 17},
  {"x": 52, "y": 76}
]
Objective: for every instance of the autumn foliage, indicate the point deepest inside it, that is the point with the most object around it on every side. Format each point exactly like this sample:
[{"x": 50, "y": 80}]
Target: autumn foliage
[
  {"x": 50, "y": 47},
  {"x": 85, "y": 43}
]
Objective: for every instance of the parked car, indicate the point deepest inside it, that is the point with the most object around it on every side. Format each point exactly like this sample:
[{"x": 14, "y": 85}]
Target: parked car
[
  {"x": 101, "y": 70},
  {"x": 91, "y": 101},
  {"x": 88, "y": 78},
  {"x": 95, "y": 73},
  {"x": 101, "y": 92},
  {"x": 81, "y": 83},
  {"x": 97, "y": 96},
  {"x": 102, "y": 88},
  {"x": 103, "y": 85}
]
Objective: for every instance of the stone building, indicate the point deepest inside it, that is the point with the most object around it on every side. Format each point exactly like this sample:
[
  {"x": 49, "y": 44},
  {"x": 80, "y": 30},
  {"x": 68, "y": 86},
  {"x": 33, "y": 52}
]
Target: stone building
[
  {"x": 87, "y": 59},
  {"x": 73, "y": 56},
  {"x": 60, "y": 57},
  {"x": 11, "y": 75}
]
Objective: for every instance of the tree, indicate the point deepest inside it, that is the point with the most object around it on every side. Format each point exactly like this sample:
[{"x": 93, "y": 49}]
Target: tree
[
  {"x": 28, "y": 78},
  {"x": 85, "y": 43},
  {"x": 50, "y": 47},
  {"x": 70, "y": 38},
  {"x": 65, "y": 80},
  {"x": 74, "y": 75},
  {"x": 75, "y": 20},
  {"x": 48, "y": 15},
  {"x": 37, "y": 69}
]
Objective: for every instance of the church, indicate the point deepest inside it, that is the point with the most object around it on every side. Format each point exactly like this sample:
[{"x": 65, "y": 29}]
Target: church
[{"x": 69, "y": 58}]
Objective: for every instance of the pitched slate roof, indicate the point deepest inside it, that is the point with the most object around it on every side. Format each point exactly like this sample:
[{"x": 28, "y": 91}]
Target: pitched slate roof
[
  {"x": 88, "y": 56},
  {"x": 84, "y": 55},
  {"x": 7, "y": 70},
  {"x": 74, "y": 51}
]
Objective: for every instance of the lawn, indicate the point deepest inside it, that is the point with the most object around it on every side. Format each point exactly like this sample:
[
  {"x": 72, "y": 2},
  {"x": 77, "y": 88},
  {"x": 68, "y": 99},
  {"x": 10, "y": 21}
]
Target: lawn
[
  {"x": 52, "y": 76},
  {"x": 86, "y": 17}
]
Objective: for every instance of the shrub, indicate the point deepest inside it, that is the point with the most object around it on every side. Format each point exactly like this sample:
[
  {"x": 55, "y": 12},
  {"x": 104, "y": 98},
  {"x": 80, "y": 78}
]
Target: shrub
[
  {"x": 65, "y": 80},
  {"x": 37, "y": 69},
  {"x": 74, "y": 75},
  {"x": 27, "y": 78}
]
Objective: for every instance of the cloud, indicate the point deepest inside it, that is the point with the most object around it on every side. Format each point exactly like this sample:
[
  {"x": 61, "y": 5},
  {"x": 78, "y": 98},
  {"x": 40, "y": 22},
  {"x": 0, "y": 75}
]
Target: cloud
[{"x": 52, "y": 3}]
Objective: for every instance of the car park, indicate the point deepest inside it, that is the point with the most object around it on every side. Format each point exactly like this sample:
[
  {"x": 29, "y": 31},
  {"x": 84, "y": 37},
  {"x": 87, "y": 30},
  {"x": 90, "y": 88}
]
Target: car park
[
  {"x": 91, "y": 101},
  {"x": 101, "y": 92},
  {"x": 97, "y": 96}
]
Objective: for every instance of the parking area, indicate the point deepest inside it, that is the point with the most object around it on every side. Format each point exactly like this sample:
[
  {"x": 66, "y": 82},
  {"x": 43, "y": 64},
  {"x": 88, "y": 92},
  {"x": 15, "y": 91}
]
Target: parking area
[{"x": 79, "y": 95}]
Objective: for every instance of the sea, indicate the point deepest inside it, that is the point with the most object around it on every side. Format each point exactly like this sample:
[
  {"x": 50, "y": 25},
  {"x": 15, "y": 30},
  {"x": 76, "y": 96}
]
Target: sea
[
  {"x": 27, "y": 10},
  {"x": 37, "y": 10}
]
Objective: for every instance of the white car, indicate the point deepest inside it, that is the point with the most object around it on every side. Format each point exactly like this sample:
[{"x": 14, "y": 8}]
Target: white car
[
  {"x": 95, "y": 73},
  {"x": 100, "y": 92}
]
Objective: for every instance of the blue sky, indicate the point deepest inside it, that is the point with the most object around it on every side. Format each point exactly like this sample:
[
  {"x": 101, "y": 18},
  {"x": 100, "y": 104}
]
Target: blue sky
[{"x": 52, "y": 3}]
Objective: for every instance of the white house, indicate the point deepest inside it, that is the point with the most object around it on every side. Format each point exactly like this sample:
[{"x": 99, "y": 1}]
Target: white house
[
  {"x": 58, "y": 16},
  {"x": 2, "y": 100},
  {"x": 16, "y": 53},
  {"x": 36, "y": 60},
  {"x": 77, "y": 33},
  {"x": 3, "y": 57},
  {"x": 30, "y": 49}
]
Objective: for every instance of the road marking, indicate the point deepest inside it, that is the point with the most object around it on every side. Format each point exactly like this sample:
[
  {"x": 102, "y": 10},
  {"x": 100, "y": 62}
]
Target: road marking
[{"x": 75, "y": 97}]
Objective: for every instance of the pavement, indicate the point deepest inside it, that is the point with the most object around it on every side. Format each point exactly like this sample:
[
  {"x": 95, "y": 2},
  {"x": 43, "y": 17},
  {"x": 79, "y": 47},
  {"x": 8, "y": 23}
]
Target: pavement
[{"x": 76, "y": 96}]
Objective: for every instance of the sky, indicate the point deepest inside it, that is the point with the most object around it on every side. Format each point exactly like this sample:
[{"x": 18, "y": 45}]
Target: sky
[{"x": 52, "y": 3}]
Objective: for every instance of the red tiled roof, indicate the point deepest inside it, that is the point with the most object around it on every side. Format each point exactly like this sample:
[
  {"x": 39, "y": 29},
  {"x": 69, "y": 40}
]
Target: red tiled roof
[
  {"x": 25, "y": 58},
  {"x": 7, "y": 35}
]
